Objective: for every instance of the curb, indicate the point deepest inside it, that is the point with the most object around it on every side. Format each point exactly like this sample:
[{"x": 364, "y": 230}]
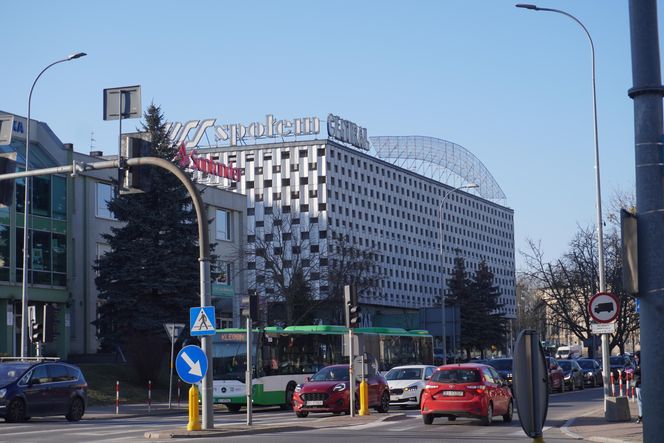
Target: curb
[
  {"x": 565, "y": 429},
  {"x": 232, "y": 430}
]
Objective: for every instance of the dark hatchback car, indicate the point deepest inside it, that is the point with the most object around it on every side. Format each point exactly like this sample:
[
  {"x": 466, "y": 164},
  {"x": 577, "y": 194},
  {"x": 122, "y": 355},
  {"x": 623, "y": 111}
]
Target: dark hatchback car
[
  {"x": 29, "y": 389},
  {"x": 504, "y": 367},
  {"x": 592, "y": 371}
]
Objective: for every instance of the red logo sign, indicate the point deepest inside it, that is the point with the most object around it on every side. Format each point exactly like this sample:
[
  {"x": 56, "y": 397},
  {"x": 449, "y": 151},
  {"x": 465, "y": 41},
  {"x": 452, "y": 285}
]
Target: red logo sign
[{"x": 206, "y": 165}]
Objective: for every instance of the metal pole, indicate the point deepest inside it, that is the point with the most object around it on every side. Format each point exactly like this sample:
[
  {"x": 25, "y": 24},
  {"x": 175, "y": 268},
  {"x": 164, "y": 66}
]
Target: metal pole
[
  {"x": 647, "y": 95},
  {"x": 598, "y": 196},
  {"x": 247, "y": 377},
  {"x": 351, "y": 376},
  {"x": 26, "y": 210},
  {"x": 170, "y": 377}
]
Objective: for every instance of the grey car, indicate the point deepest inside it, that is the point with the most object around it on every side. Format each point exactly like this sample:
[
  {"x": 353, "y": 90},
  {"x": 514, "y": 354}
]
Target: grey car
[{"x": 573, "y": 374}]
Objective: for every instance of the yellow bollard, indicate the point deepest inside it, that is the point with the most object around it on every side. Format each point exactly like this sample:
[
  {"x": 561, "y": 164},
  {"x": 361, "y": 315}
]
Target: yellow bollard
[
  {"x": 194, "y": 419},
  {"x": 364, "y": 398}
]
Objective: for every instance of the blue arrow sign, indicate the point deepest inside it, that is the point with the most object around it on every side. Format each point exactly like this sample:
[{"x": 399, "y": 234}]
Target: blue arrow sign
[
  {"x": 191, "y": 364},
  {"x": 201, "y": 321}
]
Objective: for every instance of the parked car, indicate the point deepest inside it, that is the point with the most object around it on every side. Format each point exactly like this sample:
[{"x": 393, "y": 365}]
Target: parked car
[
  {"x": 328, "y": 390},
  {"x": 466, "y": 390},
  {"x": 620, "y": 363},
  {"x": 573, "y": 374},
  {"x": 41, "y": 388},
  {"x": 556, "y": 375},
  {"x": 406, "y": 384},
  {"x": 504, "y": 368},
  {"x": 592, "y": 371}
]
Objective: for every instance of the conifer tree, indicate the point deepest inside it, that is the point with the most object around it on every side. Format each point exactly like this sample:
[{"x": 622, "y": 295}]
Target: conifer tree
[{"x": 150, "y": 276}]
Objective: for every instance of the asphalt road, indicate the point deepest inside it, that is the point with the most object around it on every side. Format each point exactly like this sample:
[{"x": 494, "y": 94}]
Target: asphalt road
[{"x": 562, "y": 407}]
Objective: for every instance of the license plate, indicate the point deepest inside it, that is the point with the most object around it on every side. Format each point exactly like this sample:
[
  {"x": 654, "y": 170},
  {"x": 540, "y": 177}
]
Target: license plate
[
  {"x": 224, "y": 400},
  {"x": 453, "y": 393},
  {"x": 394, "y": 397},
  {"x": 315, "y": 403}
]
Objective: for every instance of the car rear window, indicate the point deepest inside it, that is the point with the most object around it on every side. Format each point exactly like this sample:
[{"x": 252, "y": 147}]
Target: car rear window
[{"x": 457, "y": 375}]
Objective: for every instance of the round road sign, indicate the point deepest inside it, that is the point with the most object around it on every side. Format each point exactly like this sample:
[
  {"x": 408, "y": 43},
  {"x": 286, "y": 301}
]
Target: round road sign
[{"x": 604, "y": 307}]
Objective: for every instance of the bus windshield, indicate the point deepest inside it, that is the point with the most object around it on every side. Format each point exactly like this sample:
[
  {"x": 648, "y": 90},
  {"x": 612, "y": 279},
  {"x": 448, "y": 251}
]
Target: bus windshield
[{"x": 230, "y": 360}]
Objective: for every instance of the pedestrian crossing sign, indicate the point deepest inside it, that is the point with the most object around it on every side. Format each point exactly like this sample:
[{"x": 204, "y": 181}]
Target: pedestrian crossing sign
[{"x": 201, "y": 321}]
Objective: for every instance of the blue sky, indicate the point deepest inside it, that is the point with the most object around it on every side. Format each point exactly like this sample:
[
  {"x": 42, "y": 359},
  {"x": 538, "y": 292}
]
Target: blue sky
[{"x": 510, "y": 85}]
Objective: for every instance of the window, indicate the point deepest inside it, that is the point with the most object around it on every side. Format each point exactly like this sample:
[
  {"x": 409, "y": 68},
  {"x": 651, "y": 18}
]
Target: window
[
  {"x": 105, "y": 193},
  {"x": 59, "y": 200},
  {"x": 223, "y": 225}
]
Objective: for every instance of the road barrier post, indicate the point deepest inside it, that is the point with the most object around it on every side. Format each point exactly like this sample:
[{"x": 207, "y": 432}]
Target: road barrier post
[
  {"x": 117, "y": 397},
  {"x": 194, "y": 419}
]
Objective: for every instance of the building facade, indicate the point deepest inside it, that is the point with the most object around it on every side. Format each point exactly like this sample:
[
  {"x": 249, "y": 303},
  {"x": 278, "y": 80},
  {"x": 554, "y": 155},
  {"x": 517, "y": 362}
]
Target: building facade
[
  {"x": 336, "y": 185},
  {"x": 69, "y": 217}
]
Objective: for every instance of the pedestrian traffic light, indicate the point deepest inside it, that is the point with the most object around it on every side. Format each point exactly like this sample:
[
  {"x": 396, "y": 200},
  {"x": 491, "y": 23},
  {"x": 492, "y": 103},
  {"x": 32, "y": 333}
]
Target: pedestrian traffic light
[
  {"x": 36, "y": 331},
  {"x": 354, "y": 316},
  {"x": 134, "y": 179}
]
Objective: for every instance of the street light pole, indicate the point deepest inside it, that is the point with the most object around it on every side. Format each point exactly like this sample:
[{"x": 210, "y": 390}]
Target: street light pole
[
  {"x": 26, "y": 209},
  {"x": 442, "y": 265},
  {"x": 598, "y": 195}
]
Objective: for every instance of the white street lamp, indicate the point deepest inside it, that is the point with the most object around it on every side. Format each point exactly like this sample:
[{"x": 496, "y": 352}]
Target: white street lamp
[
  {"x": 598, "y": 194},
  {"x": 26, "y": 209},
  {"x": 442, "y": 263}
]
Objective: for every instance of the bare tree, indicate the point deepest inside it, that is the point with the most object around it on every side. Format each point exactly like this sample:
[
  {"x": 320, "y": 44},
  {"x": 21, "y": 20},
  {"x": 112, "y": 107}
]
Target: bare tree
[{"x": 567, "y": 284}]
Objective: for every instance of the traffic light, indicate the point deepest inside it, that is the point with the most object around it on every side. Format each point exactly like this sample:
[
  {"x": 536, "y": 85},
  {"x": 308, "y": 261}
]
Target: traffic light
[
  {"x": 353, "y": 317},
  {"x": 251, "y": 303},
  {"x": 7, "y": 166},
  {"x": 36, "y": 331},
  {"x": 134, "y": 179},
  {"x": 50, "y": 317}
]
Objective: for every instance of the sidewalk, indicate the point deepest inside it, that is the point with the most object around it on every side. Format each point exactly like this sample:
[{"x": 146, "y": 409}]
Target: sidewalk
[
  {"x": 594, "y": 427},
  {"x": 134, "y": 410}
]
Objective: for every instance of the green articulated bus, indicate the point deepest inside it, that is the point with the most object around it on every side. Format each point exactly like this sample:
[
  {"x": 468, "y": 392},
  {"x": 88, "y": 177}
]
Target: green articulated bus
[{"x": 285, "y": 357}]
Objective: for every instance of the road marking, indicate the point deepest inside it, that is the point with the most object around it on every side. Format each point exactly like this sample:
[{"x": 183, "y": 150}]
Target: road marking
[
  {"x": 409, "y": 428},
  {"x": 522, "y": 433}
]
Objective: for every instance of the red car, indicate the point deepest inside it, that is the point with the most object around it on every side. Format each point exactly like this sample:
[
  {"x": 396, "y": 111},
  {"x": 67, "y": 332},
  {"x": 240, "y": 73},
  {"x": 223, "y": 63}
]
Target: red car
[
  {"x": 467, "y": 390},
  {"x": 328, "y": 391},
  {"x": 556, "y": 375}
]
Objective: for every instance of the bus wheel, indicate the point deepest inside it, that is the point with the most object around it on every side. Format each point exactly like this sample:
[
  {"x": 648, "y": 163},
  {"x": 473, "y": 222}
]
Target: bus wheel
[{"x": 290, "y": 389}]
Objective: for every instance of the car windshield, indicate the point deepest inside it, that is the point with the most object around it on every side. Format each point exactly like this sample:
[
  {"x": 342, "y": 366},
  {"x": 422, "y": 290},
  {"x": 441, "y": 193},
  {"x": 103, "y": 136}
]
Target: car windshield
[
  {"x": 565, "y": 364},
  {"x": 404, "y": 374},
  {"x": 335, "y": 373},
  {"x": 11, "y": 371},
  {"x": 617, "y": 360},
  {"x": 501, "y": 364},
  {"x": 586, "y": 364},
  {"x": 457, "y": 375}
]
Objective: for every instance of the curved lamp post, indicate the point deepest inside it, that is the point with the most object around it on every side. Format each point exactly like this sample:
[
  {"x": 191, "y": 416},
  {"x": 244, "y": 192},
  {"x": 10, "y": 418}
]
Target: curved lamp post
[
  {"x": 442, "y": 263},
  {"x": 600, "y": 235},
  {"x": 26, "y": 209}
]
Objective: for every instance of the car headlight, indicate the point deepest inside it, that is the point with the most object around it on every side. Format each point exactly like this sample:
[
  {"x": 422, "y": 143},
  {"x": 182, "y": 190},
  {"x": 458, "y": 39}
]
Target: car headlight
[
  {"x": 410, "y": 388},
  {"x": 508, "y": 375},
  {"x": 340, "y": 387},
  {"x": 298, "y": 388},
  {"x": 3, "y": 392},
  {"x": 567, "y": 377},
  {"x": 590, "y": 374}
]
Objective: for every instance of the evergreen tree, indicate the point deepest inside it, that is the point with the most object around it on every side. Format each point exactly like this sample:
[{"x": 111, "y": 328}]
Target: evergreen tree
[
  {"x": 494, "y": 324},
  {"x": 151, "y": 274},
  {"x": 460, "y": 294}
]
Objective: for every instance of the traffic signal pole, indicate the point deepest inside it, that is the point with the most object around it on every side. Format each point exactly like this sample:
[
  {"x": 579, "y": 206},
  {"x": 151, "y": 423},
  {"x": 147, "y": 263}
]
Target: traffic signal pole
[{"x": 203, "y": 245}]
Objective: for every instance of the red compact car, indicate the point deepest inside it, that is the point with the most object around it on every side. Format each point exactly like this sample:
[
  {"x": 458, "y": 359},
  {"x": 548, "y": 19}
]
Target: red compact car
[
  {"x": 467, "y": 390},
  {"x": 328, "y": 391}
]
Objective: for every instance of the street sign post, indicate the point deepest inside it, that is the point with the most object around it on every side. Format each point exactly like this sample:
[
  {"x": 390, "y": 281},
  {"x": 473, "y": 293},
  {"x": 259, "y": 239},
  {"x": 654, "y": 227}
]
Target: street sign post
[
  {"x": 531, "y": 387},
  {"x": 201, "y": 321},
  {"x": 191, "y": 364},
  {"x": 173, "y": 330}
]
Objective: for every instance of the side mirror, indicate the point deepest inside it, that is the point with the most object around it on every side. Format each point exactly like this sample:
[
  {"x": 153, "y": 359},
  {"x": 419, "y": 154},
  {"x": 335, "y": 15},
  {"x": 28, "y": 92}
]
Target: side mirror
[{"x": 307, "y": 378}]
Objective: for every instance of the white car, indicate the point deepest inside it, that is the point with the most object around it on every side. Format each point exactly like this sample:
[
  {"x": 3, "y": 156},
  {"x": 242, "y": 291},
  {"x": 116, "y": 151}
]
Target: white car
[{"x": 406, "y": 384}]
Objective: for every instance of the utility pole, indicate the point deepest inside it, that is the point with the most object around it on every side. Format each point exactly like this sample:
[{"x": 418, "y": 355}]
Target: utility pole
[{"x": 647, "y": 94}]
